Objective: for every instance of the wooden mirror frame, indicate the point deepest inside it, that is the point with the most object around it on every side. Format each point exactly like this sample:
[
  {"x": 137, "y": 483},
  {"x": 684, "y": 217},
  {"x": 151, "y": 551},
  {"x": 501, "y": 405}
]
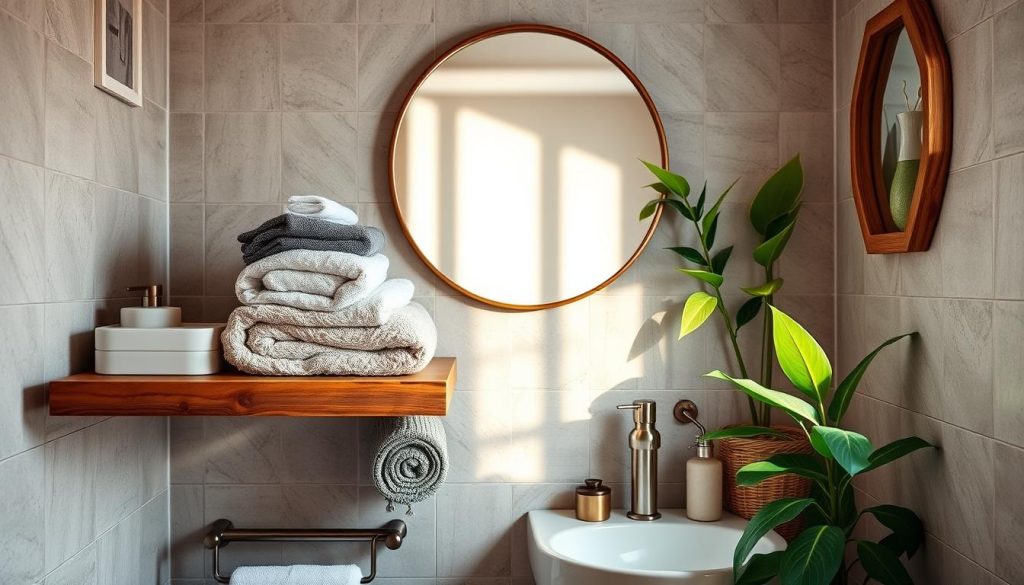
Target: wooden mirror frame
[
  {"x": 503, "y": 30},
  {"x": 881, "y": 236}
]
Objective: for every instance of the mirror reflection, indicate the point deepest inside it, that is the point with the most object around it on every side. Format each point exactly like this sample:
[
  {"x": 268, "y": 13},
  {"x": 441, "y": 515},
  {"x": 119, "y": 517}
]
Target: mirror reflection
[
  {"x": 902, "y": 121},
  {"x": 516, "y": 168}
]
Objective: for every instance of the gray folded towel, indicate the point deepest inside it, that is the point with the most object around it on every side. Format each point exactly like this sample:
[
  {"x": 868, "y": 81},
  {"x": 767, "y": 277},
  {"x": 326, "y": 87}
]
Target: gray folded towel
[
  {"x": 411, "y": 461},
  {"x": 296, "y": 232}
]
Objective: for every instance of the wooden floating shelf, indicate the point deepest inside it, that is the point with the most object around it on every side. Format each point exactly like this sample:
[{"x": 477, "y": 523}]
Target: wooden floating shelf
[{"x": 232, "y": 394}]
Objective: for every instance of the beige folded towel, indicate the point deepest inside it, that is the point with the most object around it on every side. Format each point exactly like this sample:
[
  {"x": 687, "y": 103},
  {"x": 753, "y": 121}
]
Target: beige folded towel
[
  {"x": 311, "y": 279},
  {"x": 283, "y": 341}
]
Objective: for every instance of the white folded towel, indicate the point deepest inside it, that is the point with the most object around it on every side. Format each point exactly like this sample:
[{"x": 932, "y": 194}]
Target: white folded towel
[
  {"x": 311, "y": 280},
  {"x": 297, "y": 575},
  {"x": 320, "y": 208}
]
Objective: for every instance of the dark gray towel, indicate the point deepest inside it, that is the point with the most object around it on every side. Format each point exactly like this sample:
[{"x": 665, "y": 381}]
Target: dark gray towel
[{"x": 295, "y": 232}]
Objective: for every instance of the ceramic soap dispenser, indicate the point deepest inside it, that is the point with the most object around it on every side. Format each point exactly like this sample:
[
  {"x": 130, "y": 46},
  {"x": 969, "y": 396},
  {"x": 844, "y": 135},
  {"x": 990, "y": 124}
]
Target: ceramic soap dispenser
[
  {"x": 150, "y": 315},
  {"x": 703, "y": 475}
]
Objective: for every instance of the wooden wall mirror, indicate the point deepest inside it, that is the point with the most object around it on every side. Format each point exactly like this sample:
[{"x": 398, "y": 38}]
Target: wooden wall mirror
[
  {"x": 515, "y": 171},
  {"x": 901, "y": 128}
]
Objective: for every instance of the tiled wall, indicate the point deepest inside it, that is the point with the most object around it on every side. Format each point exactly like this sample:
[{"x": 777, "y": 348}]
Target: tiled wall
[
  {"x": 83, "y": 213},
  {"x": 959, "y": 384},
  {"x": 276, "y": 97}
]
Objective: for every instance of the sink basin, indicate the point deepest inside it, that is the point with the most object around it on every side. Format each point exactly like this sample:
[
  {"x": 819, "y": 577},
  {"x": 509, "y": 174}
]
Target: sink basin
[{"x": 674, "y": 549}]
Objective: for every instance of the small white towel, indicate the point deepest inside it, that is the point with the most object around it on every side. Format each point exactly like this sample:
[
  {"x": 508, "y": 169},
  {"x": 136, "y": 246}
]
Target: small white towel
[
  {"x": 320, "y": 208},
  {"x": 297, "y": 575}
]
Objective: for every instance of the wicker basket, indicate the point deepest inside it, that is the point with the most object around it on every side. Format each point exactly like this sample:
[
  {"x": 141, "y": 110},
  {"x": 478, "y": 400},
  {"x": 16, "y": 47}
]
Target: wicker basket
[{"x": 746, "y": 501}]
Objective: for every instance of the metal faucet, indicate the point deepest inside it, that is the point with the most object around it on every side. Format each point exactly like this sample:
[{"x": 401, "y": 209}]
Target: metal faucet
[{"x": 644, "y": 441}]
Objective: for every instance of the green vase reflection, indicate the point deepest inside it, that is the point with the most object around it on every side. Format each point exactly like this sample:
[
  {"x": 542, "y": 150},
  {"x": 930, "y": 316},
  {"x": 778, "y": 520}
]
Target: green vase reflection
[{"x": 901, "y": 191}]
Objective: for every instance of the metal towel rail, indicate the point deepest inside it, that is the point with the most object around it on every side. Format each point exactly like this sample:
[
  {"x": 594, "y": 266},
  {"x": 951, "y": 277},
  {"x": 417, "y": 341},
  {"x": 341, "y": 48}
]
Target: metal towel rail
[{"x": 223, "y": 532}]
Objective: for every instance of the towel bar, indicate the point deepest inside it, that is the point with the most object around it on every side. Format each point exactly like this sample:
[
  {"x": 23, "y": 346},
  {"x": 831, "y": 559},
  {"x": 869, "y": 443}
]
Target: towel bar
[{"x": 223, "y": 532}]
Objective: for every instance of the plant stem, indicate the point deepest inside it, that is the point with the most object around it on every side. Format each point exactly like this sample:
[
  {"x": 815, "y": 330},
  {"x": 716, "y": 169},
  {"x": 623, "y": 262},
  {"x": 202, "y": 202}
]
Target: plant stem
[
  {"x": 766, "y": 349},
  {"x": 727, "y": 318}
]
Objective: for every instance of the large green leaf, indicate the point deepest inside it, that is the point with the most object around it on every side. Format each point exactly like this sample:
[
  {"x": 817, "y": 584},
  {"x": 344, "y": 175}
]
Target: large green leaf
[
  {"x": 700, "y": 200},
  {"x": 814, "y": 557},
  {"x": 764, "y": 521},
  {"x": 712, "y": 214},
  {"x": 845, "y": 390},
  {"x": 711, "y": 278},
  {"x": 779, "y": 223},
  {"x": 779, "y": 194},
  {"x": 689, "y": 254},
  {"x": 796, "y": 463},
  {"x": 850, "y": 450},
  {"x": 769, "y": 251},
  {"x": 709, "y": 235},
  {"x": 743, "y": 431},
  {"x": 802, "y": 359},
  {"x": 761, "y": 569},
  {"x": 795, "y": 407},
  {"x": 680, "y": 206},
  {"x": 888, "y": 453},
  {"x": 881, "y": 564},
  {"x": 765, "y": 289},
  {"x": 748, "y": 311},
  {"x": 907, "y": 528},
  {"x": 674, "y": 182},
  {"x": 720, "y": 260},
  {"x": 660, "y": 188},
  {"x": 697, "y": 309}
]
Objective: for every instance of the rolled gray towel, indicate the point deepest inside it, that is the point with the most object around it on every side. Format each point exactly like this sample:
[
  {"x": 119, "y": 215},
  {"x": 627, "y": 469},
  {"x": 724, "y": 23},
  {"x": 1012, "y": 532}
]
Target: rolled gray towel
[
  {"x": 412, "y": 459},
  {"x": 296, "y": 232}
]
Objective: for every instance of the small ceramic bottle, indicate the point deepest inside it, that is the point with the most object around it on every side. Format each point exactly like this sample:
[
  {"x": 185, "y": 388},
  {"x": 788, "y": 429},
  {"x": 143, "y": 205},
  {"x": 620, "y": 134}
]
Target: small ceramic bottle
[
  {"x": 593, "y": 501},
  {"x": 704, "y": 484}
]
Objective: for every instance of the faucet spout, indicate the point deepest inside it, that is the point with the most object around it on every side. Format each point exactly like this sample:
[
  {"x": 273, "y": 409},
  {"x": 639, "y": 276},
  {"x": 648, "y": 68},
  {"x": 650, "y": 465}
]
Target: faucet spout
[{"x": 644, "y": 441}]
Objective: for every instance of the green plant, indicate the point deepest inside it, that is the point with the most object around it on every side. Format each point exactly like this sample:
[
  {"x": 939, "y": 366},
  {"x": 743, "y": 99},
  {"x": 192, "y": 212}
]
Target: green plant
[
  {"x": 773, "y": 214},
  {"x": 816, "y": 556}
]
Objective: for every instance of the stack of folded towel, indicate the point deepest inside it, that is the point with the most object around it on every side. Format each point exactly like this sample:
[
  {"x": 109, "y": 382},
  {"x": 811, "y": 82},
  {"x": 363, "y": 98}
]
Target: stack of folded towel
[{"x": 317, "y": 300}]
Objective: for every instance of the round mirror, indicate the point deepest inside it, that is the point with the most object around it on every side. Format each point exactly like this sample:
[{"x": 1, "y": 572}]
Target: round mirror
[{"x": 515, "y": 166}]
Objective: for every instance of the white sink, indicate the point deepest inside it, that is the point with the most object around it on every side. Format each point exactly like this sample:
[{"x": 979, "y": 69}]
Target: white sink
[{"x": 674, "y": 549}]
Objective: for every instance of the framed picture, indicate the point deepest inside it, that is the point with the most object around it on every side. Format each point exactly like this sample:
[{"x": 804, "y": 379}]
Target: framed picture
[{"x": 118, "y": 54}]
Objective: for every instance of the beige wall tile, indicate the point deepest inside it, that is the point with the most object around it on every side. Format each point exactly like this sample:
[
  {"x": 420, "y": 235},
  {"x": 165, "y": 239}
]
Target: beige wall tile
[
  {"x": 805, "y": 10},
  {"x": 1007, "y": 81},
  {"x": 743, "y": 11},
  {"x": 31, "y": 11},
  {"x": 319, "y": 155},
  {"x": 806, "y": 76},
  {"x": 185, "y": 11},
  {"x": 956, "y": 17},
  {"x": 390, "y": 56},
  {"x": 154, "y": 55},
  {"x": 1008, "y": 403},
  {"x": 487, "y": 550},
  {"x": 117, "y": 243},
  {"x": 152, "y": 148},
  {"x": 223, "y": 256},
  {"x": 187, "y": 560},
  {"x": 248, "y": 11},
  {"x": 22, "y": 387},
  {"x": 1009, "y": 209},
  {"x": 670, "y": 62},
  {"x": 639, "y": 11},
  {"x": 963, "y": 237},
  {"x": 396, "y": 11},
  {"x": 21, "y": 237},
  {"x": 186, "y": 259},
  {"x": 186, "y": 157},
  {"x": 22, "y": 60},
  {"x": 618, "y": 38},
  {"x": 186, "y": 67},
  {"x": 740, "y": 67},
  {"x": 318, "y": 67},
  {"x": 318, "y": 10},
  {"x": 70, "y": 524},
  {"x": 117, "y": 154},
  {"x": 549, "y": 10},
  {"x": 810, "y": 136},
  {"x": 242, "y": 157},
  {"x": 971, "y": 62},
  {"x": 70, "y": 114},
  {"x": 743, "y": 147},
  {"x": 482, "y": 11},
  {"x": 241, "y": 67},
  {"x": 118, "y": 478},
  {"x": 1009, "y": 516},
  {"x": 70, "y": 240},
  {"x": 22, "y": 515},
  {"x": 69, "y": 23}
]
